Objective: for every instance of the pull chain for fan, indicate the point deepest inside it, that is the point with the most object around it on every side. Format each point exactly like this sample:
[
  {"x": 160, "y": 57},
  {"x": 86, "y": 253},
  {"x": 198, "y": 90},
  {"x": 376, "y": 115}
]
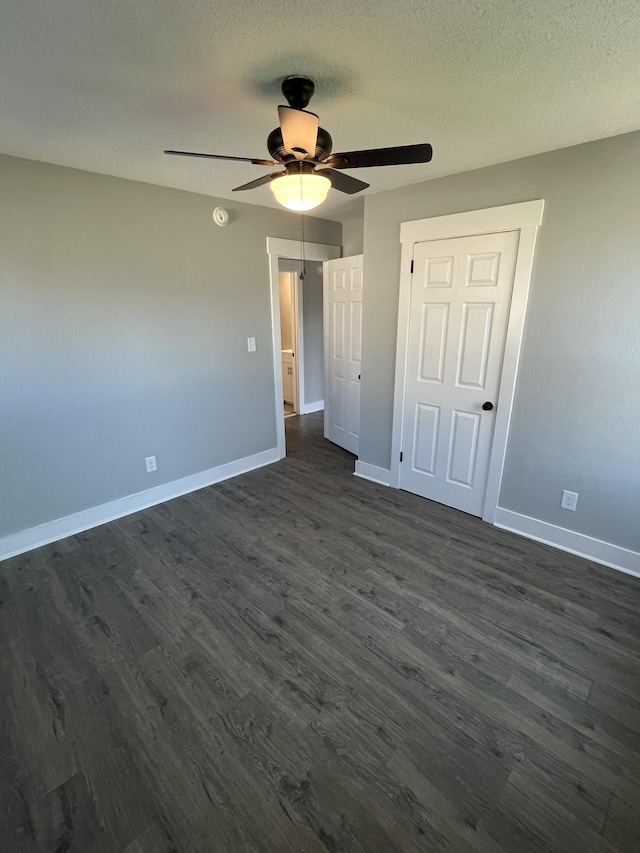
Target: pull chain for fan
[{"x": 303, "y": 271}]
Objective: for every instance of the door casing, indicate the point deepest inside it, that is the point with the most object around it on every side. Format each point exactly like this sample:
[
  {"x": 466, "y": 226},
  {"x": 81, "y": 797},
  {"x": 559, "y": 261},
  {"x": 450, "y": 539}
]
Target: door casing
[{"x": 525, "y": 217}]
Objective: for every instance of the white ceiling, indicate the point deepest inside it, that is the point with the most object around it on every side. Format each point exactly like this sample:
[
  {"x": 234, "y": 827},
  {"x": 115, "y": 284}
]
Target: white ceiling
[{"x": 106, "y": 85}]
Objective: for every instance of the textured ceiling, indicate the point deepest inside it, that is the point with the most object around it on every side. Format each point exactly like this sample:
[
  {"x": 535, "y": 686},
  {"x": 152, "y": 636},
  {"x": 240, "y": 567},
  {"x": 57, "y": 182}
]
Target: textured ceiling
[{"x": 106, "y": 85}]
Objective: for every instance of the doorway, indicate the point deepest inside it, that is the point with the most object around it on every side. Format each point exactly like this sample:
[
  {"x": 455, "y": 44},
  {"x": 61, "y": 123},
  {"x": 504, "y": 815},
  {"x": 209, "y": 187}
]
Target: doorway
[
  {"x": 301, "y": 336},
  {"x": 288, "y": 281},
  {"x": 286, "y": 256},
  {"x": 463, "y": 293}
]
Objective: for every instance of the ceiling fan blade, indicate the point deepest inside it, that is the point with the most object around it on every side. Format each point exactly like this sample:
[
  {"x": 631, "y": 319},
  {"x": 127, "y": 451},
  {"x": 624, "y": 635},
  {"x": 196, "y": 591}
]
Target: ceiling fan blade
[
  {"x": 265, "y": 179},
  {"x": 256, "y": 162},
  {"x": 397, "y": 156},
  {"x": 343, "y": 183},
  {"x": 299, "y": 132}
]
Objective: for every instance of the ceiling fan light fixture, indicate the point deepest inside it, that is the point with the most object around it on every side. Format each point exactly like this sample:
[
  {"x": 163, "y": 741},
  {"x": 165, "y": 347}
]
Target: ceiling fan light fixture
[{"x": 301, "y": 192}]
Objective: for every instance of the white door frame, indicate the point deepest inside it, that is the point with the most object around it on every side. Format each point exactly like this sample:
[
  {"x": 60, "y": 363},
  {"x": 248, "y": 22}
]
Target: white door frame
[
  {"x": 277, "y": 248},
  {"x": 525, "y": 217}
]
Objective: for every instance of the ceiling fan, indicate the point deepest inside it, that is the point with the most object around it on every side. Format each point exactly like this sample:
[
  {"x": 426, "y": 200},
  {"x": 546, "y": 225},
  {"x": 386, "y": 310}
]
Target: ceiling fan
[{"x": 303, "y": 148}]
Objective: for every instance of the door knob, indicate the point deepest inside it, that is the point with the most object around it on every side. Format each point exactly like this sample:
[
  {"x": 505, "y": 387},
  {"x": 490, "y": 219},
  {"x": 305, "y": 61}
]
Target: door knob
[{"x": 486, "y": 407}]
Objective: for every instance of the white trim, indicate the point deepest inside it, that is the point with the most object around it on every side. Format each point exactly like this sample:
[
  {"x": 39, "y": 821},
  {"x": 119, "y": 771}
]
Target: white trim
[
  {"x": 298, "y": 352},
  {"x": 318, "y": 406},
  {"x": 402, "y": 346},
  {"x": 524, "y": 217},
  {"x": 283, "y": 248},
  {"x": 506, "y": 217},
  {"x": 568, "y": 540},
  {"x": 279, "y": 248},
  {"x": 372, "y": 472},
  {"x": 60, "y": 528},
  {"x": 511, "y": 359},
  {"x": 326, "y": 320}
]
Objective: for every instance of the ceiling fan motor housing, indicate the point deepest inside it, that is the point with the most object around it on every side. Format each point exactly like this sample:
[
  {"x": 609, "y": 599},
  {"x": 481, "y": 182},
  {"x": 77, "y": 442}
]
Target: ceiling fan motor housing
[{"x": 276, "y": 148}]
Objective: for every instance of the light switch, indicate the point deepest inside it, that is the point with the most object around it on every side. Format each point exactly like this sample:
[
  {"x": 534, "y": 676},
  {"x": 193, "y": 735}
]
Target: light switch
[{"x": 251, "y": 344}]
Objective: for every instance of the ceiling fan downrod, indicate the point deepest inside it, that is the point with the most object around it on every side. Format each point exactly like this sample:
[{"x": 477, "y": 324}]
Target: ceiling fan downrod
[{"x": 298, "y": 91}]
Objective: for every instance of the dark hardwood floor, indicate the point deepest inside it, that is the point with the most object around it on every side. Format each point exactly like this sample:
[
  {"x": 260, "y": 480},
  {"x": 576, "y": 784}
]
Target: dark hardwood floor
[{"x": 298, "y": 660}]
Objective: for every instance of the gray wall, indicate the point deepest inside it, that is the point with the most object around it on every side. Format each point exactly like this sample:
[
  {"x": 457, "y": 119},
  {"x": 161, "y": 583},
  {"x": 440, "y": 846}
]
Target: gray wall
[
  {"x": 353, "y": 233},
  {"x": 576, "y": 421},
  {"x": 312, "y": 328},
  {"x": 124, "y": 314}
]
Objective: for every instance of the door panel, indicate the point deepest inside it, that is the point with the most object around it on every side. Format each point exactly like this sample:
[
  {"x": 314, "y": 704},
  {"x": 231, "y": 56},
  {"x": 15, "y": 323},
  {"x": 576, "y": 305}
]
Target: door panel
[
  {"x": 463, "y": 447},
  {"x": 426, "y": 432},
  {"x": 354, "y": 409},
  {"x": 338, "y": 399},
  {"x": 343, "y": 352},
  {"x": 460, "y": 298},
  {"x": 355, "y": 332},
  {"x": 338, "y": 332},
  {"x": 475, "y": 337},
  {"x": 433, "y": 340}
]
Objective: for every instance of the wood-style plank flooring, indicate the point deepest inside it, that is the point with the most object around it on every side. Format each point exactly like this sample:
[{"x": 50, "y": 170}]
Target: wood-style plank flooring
[{"x": 298, "y": 660}]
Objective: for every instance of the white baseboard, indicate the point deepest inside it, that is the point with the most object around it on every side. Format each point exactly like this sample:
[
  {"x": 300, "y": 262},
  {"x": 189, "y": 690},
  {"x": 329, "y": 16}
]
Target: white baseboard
[
  {"x": 373, "y": 473},
  {"x": 309, "y": 408},
  {"x": 60, "y": 528},
  {"x": 568, "y": 540}
]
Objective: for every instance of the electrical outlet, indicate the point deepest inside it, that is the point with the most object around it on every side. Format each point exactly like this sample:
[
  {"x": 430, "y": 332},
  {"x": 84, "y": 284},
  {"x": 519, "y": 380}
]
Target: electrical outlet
[
  {"x": 150, "y": 462},
  {"x": 569, "y": 500},
  {"x": 251, "y": 344}
]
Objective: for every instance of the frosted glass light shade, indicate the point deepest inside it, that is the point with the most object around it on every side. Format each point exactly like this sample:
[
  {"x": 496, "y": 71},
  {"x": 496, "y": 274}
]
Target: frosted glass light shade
[{"x": 300, "y": 192}]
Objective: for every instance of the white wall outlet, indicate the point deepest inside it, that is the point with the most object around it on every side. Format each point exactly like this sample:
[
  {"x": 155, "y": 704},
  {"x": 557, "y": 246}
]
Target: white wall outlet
[
  {"x": 150, "y": 462},
  {"x": 251, "y": 344},
  {"x": 569, "y": 500}
]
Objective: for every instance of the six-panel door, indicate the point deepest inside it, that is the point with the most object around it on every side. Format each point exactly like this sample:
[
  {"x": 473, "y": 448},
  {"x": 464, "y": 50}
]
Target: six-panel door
[
  {"x": 344, "y": 352},
  {"x": 460, "y": 298}
]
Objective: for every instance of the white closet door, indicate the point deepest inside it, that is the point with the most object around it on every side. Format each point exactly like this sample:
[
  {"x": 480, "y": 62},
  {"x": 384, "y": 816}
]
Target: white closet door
[
  {"x": 460, "y": 298},
  {"x": 343, "y": 351}
]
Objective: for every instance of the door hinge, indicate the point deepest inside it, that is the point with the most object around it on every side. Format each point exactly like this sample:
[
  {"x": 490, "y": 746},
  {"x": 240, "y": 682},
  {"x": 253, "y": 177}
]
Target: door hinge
[
  {"x": 412, "y": 267},
  {"x": 401, "y": 456}
]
